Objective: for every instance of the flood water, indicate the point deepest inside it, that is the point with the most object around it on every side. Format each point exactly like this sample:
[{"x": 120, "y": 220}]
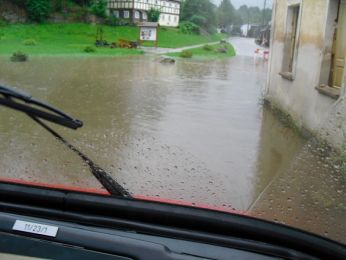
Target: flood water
[{"x": 194, "y": 131}]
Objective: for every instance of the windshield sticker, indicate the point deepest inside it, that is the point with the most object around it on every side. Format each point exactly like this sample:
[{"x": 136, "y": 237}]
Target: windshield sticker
[{"x": 35, "y": 228}]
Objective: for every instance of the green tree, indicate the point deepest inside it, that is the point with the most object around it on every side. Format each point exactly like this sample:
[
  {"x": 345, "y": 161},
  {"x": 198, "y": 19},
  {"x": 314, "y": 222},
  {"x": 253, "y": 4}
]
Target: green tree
[
  {"x": 99, "y": 8},
  {"x": 153, "y": 15},
  {"x": 83, "y": 2},
  {"x": 38, "y": 10},
  {"x": 225, "y": 13},
  {"x": 254, "y": 15},
  {"x": 199, "y": 12}
]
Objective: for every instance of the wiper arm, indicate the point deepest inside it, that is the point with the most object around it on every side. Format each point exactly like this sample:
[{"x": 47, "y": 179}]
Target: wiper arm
[
  {"x": 52, "y": 114},
  {"x": 56, "y": 116}
]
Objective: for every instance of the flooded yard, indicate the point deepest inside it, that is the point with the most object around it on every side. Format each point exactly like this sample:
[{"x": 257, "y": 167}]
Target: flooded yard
[{"x": 194, "y": 131}]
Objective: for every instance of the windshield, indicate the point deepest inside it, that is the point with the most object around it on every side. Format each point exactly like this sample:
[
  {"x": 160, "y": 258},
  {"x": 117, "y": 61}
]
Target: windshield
[{"x": 233, "y": 105}]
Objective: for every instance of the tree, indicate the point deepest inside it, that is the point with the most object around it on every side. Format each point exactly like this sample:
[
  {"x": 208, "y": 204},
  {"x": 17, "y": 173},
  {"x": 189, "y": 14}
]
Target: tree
[
  {"x": 153, "y": 15},
  {"x": 99, "y": 8},
  {"x": 199, "y": 12},
  {"x": 254, "y": 15},
  {"x": 226, "y": 13},
  {"x": 38, "y": 10}
]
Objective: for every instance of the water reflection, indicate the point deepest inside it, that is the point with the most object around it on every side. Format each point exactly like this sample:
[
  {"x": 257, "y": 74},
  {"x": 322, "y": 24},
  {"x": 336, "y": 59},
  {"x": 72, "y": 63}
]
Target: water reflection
[{"x": 193, "y": 131}]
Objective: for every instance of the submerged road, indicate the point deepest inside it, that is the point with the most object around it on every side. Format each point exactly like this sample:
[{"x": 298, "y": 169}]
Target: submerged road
[{"x": 194, "y": 131}]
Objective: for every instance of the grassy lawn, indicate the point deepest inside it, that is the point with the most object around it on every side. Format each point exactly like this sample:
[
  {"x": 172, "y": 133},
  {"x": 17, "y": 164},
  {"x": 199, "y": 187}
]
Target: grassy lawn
[
  {"x": 71, "y": 39},
  {"x": 211, "y": 53}
]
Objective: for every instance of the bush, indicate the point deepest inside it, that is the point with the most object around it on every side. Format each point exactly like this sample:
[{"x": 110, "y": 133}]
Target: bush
[
  {"x": 153, "y": 15},
  {"x": 123, "y": 22},
  {"x": 38, "y": 10},
  {"x": 58, "y": 6},
  {"x": 199, "y": 20},
  {"x": 19, "y": 57},
  {"x": 112, "y": 21},
  {"x": 3, "y": 22},
  {"x": 81, "y": 13},
  {"x": 207, "y": 47},
  {"x": 29, "y": 42},
  {"x": 186, "y": 54},
  {"x": 89, "y": 49},
  {"x": 189, "y": 28},
  {"x": 99, "y": 8}
]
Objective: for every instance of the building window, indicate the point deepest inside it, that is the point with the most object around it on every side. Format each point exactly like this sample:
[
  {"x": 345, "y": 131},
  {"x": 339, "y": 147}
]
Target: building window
[
  {"x": 145, "y": 17},
  {"x": 126, "y": 14},
  {"x": 116, "y": 13},
  {"x": 339, "y": 48},
  {"x": 137, "y": 15},
  {"x": 291, "y": 40},
  {"x": 333, "y": 64}
]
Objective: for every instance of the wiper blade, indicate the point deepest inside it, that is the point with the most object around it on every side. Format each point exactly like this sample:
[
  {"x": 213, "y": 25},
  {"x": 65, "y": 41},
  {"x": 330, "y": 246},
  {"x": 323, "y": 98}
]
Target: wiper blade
[
  {"x": 101, "y": 175},
  {"x": 39, "y": 109},
  {"x": 56, "y": 116}
]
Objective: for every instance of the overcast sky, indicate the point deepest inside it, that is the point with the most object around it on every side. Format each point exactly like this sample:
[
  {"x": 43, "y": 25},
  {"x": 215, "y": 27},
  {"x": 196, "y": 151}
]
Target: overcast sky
[{"x": 238, "y": 3}]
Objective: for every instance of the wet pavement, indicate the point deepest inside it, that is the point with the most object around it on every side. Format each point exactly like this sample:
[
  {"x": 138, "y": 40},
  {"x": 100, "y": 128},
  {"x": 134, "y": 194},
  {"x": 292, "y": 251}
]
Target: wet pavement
[{"x": 194, "y": 131}]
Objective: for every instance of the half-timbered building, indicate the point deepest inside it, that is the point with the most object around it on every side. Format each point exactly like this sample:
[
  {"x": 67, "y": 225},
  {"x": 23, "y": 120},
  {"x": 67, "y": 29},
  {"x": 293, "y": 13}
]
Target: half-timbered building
[{"x": 137, "y": 10}]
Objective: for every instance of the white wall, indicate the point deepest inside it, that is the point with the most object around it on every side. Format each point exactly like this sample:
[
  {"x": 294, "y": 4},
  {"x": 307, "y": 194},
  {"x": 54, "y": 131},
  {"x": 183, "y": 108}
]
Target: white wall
[{"x": 169, "y": 20}]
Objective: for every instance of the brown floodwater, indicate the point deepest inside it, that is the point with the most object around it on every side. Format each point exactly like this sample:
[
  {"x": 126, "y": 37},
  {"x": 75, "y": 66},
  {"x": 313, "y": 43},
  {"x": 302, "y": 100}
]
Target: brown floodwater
[{"x": 194, "y": 131}]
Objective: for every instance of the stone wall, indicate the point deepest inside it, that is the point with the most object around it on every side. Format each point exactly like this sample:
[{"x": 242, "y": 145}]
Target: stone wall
[{"x": 11, "y": 13}]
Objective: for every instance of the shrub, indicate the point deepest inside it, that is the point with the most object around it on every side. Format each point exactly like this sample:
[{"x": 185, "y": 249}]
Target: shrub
[
  {"x": 186, "y": 54},
  {"x": 89, "y": 49},
  {"x": 3, "y": 22},
  {"x": 189, "y": 28},
  {"x": 38, "y": 10},
  {"x": 19, "y": 57},
  {"x": 29, "y": 42},
  {"x": 80, "y": 14},
  {"x": 199, "y": 20},
  {"x": 112, "y": 21},
  {"x": 123, "y": 22},
  {"x": 207, "y": 47},
  {"x": 58, "y": 6},
  {"x": 99, "y": 8},
  {"x": 153, "y": 15}
]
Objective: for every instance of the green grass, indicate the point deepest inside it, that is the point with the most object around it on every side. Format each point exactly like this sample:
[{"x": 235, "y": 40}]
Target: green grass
[
  {"x": 71, "y": 39},
  {"x": 209, "y": 54}
]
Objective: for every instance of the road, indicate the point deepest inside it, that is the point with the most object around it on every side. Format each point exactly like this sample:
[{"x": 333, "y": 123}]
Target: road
[{"x": 194, "y": 131}]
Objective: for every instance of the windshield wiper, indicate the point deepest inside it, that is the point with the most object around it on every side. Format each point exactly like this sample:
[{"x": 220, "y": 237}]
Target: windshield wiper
[
  {"x": 10, "y": 97},
  {"x": 52, "y": 114}
]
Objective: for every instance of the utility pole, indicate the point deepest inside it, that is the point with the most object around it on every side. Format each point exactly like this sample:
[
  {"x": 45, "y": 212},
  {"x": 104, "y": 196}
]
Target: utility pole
[{"x": 264, "y": 13}]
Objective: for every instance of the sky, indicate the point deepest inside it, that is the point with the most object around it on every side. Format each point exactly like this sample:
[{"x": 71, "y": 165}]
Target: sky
[{"x": 238, "y": 3}]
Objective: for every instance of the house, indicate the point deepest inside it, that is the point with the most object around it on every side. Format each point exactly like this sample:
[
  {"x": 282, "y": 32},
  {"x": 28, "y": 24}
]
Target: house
[
  {"x": 250, "y": 30},
  {"x": 137, "y": 10},
  {"x": 307, "y": 77}
]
